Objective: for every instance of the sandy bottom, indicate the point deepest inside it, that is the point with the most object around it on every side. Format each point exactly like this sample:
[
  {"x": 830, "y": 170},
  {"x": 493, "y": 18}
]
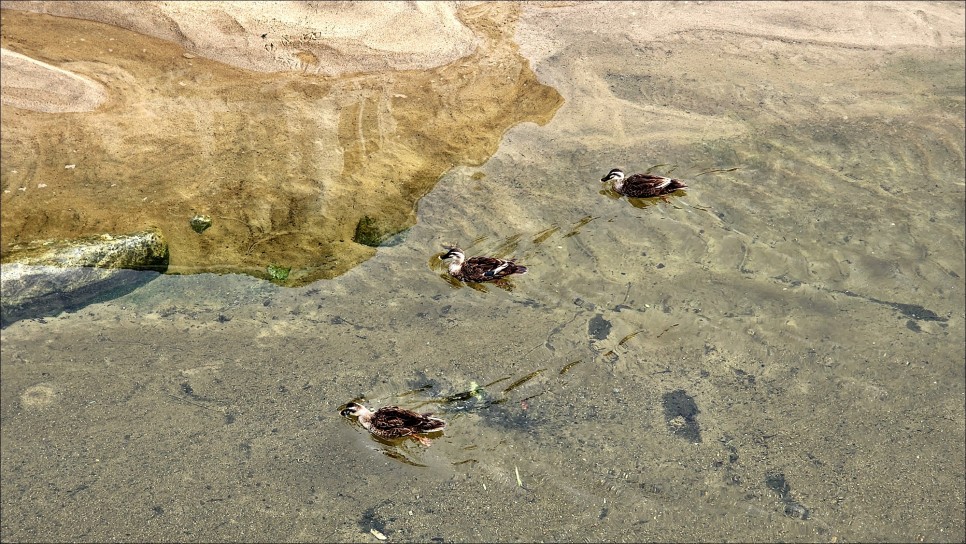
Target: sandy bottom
[{"x": 775, "y": 355}]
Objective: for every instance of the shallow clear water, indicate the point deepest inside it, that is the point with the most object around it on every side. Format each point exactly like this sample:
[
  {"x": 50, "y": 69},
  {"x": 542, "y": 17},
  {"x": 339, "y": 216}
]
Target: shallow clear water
[{"x": 783, "y": 341}]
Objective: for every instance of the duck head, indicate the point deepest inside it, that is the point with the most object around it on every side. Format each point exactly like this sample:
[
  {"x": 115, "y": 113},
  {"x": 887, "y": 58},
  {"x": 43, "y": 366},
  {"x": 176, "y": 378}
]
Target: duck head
[
  {"x": 454, "y": 253},
  {"x": 354, "y": 409},
  {"x": 614, "y": 175}
]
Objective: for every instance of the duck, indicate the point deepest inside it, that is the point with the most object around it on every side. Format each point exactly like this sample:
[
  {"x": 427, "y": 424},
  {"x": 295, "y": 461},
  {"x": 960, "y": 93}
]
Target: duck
[
  {"x": 479, "y": 269},
  {"x": 390, "y": 422},
  {"x": 642, "y": 185}
]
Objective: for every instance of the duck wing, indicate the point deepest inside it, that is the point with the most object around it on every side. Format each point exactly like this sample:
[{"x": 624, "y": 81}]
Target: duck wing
[
  {"x": 490, "y": 268},
  {"x": 396, "y": 422},
  {"x": 648, "y": 185}
]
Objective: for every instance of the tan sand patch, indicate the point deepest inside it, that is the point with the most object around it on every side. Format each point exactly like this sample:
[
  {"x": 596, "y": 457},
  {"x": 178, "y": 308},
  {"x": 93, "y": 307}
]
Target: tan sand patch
[
  {"x": 297, "y": 171},
  {"x": 39, "y": 396}
]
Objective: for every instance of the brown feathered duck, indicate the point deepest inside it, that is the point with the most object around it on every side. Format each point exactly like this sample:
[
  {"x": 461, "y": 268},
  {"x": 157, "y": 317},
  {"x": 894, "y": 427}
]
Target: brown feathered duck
[
  {"x": 391, "y": 422},
  {"x": 479, "y": 269},
  {"x": 642, "y": 185}
]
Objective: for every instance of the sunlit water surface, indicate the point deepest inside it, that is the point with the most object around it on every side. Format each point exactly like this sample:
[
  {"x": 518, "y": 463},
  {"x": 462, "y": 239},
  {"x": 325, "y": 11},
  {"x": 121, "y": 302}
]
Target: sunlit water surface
[{"x": 775, "y": 354}]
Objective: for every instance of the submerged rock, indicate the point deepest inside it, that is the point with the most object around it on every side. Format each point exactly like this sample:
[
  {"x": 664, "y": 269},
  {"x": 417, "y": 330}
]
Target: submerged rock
[
  {"x": 46, "y": 278},
  {"x": 200, "y": 223},
  {"x": 681, "y": 415},
  {"x": 375, "y": 233}
]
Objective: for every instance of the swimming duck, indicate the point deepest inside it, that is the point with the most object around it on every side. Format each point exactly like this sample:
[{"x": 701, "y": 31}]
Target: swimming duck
[
  {"x": 391, "y": 422},
  {"x": 479, "y": 269},
  {"x": 642, "y": 185}
]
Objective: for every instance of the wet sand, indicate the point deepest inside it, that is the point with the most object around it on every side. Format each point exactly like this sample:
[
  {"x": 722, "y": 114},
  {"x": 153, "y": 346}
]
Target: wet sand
[
  {"x": 296, "y": 170},
  {"x": 781, "y": 342}
]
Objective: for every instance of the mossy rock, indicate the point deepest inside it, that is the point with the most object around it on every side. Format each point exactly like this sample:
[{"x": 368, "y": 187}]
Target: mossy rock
[{"x": 375, "y": 233}]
